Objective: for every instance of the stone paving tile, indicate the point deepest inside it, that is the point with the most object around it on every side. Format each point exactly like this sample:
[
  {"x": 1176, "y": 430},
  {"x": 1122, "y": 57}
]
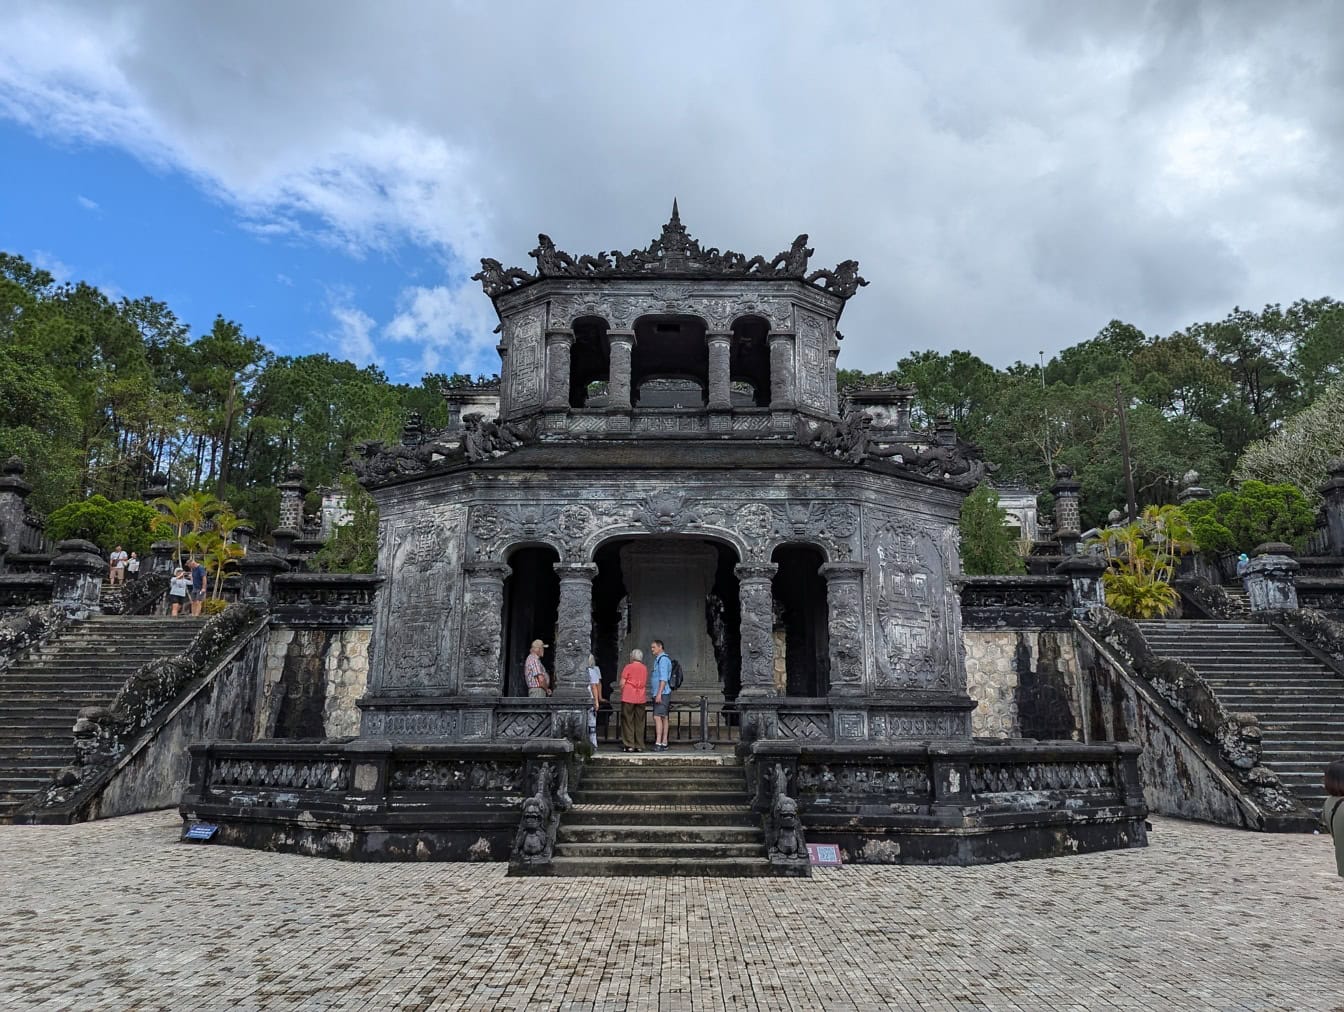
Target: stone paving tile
[{"x": 118, "y": 915}]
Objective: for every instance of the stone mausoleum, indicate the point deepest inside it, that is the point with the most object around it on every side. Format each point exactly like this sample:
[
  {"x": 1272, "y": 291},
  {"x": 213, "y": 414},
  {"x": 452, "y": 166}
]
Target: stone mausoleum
[{"x": 672, "y": 459}]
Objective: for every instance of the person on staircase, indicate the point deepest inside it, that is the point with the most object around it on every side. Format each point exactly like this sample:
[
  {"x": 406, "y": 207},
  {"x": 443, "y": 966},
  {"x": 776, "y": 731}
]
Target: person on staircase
[
  {"x": 197, "y": 572},
  {"x": 662, "y": 694},
  {"x": 177, "y": 590},
  {"x": 116, "y": 566},
  {"x": 1332, "y": 819},
  {"x": 133, "y": 567},
  {"x": 634, "y": 682}
]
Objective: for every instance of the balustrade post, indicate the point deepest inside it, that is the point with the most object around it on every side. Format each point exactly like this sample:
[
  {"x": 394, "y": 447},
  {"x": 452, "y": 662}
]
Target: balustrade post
[
  {"x": 1271, "y": 578},
  {"x": 782, "y": 394},
  {"x": 720, "y": 372},
  {"x": 621, "y": 348},
  {"x": 558, "y": 345}
]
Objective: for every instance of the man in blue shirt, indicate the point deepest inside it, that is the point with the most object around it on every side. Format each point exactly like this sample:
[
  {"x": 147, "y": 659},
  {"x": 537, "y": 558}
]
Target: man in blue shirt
[
  {"x": 660, "y": 680},
  {"x": 197, "y": 586}
]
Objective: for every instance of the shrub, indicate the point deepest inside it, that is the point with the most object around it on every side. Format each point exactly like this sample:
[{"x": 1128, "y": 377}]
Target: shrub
[
  {"x": 1250, "y": 515},
  {"x": 988, "y": 547},
  {"x": 125, "y": 522}
]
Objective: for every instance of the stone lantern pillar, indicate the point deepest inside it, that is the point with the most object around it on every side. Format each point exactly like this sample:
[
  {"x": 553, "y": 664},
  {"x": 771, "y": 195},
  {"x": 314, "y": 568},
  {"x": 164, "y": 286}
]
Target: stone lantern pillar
[
  {"x": 757, "y": 628},
  {"x": 78, "y": 570},
  {"x": 13, "y": 493},
  {"x": 484, "y": 611},
  {"x": 1191, "y": 490},
  {"x": 844, "y": 600},
  {"x": 781, "y": 371},
  {"x": 621, "y": 345},
  {"x": 1271, "y": 578},
  {"x": 720, "y": 371},
  {"x": 558, "y": 346},
  {"x": 1333, "y": 492},
  {"x": 574, "y": 629},
  {"x": 292, "y": 491},
  {"x": 1068, "y": 510},
  {"x": 1086, "y": 589},
  {"x": 258, "y": 571}
]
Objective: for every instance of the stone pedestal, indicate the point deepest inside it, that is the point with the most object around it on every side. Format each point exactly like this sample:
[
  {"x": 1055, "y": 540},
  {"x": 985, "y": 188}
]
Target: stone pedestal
[
  {"x": 258, "y": 571},
  {"x": 668, "y": 583},
  {"x": 78, "y": 570},
  {"x": 1271, "y": 578},
  {"x": 13, "y": 492},
  {"x": 1085, "y": 574},
  {"x": 757, "y": 629},
  {"x": 1333, "y": 493},
  {"x": 161, "y": 558},
  {"x": 574, "y": 629}
]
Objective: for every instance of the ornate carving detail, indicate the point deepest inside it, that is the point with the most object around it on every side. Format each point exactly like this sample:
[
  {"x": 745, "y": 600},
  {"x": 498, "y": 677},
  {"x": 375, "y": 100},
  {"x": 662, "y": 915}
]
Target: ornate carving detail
[
  {"x": 456, "y": 775},
  {"x": 673, "y": 254},
  {"x": 857, "y": 782},
  {"x": 484, "y": 626},
  {"x": 529, "y": 724},
  {"x": 805, "y": 726},
  {"x": 784, "y": 841},
  {"x": 409, "y": 724},
  {"x": 912, "y": 606},
  {"x": 667, "y": 511},
  {"x": 331, "y": 776},
  {"x": 1005, "y": 778},
  {"x": 883, "y": 726}
]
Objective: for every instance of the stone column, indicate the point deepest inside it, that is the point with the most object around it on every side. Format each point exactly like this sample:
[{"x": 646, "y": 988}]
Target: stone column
[
  {"x": 720, "y": 371},
  {"x": 1271, "y": 578},
  {"x": 574, "y": 629},
  {"x": 758, "y": 643},
  {"x": 161, "y": 557},
  {"x": 13, "y": 491},
  {"x": 782, "y": 394},
  {"x": 483, "y": 638},
  {"x": 1085, "y": 585},
  {"x": 1333, "y": 491},
  {"x": 292, "y": 491},
  {"x": 621, "y": 350},
  {"x": 258, "y": 571},
  {"x": 844, "y": 599},
  {"x": 78, "y": 569},
  {"x": 1068, "y": 510},
  {"x": 558, "y": 345}
]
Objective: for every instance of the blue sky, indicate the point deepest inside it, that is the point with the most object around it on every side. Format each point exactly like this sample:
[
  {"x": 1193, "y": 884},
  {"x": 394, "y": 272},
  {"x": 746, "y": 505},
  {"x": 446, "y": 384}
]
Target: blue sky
[
  {"x": 1010, "y": 177},
  {"x": 92, "y": 213}
]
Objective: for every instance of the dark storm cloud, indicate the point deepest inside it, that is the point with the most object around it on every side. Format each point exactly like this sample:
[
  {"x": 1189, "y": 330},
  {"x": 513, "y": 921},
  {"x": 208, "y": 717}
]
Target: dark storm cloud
[{"x": 1010, "y": 177}]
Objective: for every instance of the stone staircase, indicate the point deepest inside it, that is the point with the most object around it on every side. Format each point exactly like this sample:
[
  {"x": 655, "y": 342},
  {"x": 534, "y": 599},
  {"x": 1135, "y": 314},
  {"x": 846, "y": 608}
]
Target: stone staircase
[
  {"x": 669, "y": 814},
  {"x": 1254, "y": 668},
  {"x": 42, "y": 693}
]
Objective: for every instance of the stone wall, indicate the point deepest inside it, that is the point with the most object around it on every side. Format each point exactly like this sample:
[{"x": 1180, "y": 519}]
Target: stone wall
[
  {"x": 310, "y": 681},
  {"x": 1026, "y": 681}
]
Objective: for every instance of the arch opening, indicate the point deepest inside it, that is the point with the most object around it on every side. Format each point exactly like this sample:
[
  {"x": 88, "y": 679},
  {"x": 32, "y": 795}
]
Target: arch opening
[
  {"x": 749, "y": 361},
  {"x": 589, "y": 363},
  {"x": 531, "y": 610},
  {"x": 669, "y": 365},
  {"x": 801, "y": 622}
]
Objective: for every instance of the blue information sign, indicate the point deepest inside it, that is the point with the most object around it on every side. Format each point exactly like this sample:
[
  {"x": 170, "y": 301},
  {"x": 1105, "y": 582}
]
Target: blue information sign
[
  {"x": 824, "y": 855},
  {"x": 200, "y": 831}
]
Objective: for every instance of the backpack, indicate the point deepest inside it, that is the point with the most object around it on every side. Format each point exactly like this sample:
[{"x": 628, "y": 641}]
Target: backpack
[{"x": 675, "y": 679}]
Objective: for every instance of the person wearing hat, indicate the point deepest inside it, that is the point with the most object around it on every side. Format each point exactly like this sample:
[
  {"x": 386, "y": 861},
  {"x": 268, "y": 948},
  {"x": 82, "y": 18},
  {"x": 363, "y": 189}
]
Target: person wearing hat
[
  {"x": 534, "y": 672},
  {"x": 1243, "y": 563},
  {"x": 177, "y": 590}
]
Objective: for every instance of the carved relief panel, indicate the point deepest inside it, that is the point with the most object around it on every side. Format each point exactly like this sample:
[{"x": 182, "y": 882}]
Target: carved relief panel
[
  {"x": 813, "y": 338},
  {"x": 526, "y": 361},
  {"x": 420, "y": 605}
]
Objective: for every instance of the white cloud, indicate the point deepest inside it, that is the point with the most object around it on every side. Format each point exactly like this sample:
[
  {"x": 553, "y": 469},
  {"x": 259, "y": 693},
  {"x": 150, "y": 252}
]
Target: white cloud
[
  {"x": 86, "y": 203},
  {"x": 353, "y": 333},
  {"x": 52, "y": 265},
  {"x": 285, "y": 280},
  {"x": 1009, "y": 177}
]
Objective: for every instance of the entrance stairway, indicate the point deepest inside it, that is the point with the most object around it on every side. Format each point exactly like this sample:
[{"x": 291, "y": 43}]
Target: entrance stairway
[
  {"x": 42, "y": 693},
  {"x": 1253, "y": 668},
  {"x": 665, "y": 814}
]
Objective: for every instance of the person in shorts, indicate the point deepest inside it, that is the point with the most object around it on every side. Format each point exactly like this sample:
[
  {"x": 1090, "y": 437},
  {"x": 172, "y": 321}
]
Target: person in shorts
[
  {"x": 534, "y": 672},
  {"x": 595, "y": 689},
  {"x": 116, "y": 566},
  {"x": 177, "y": 590},
  {"x": 197, "y": 572},
  {"x": 660, "y": 681}
]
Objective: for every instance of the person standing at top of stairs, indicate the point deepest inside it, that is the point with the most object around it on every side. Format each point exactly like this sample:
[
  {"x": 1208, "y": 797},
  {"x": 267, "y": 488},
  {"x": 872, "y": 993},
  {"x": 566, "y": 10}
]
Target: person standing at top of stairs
[
  {"x": 634, "y": 683},
  {"x": 662, "y": 694}
]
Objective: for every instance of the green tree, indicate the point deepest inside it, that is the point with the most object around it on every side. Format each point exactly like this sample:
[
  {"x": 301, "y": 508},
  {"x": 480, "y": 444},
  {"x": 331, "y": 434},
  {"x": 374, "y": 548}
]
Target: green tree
[
  {"x": 1300, "y": 451},
  {"x": 988, "y": 547},
  {"x": 128, "y": 523},
  {"x": 1250, "y": 515},
  {"x": 1142, "y": 559},
  {"x": 353, "y": 546}
]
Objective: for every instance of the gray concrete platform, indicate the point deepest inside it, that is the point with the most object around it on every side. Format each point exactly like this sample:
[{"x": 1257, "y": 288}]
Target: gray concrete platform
[{"x": 119, "y": 915}]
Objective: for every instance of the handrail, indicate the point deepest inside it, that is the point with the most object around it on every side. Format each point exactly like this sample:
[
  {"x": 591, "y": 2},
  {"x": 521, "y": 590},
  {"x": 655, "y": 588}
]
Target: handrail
[{"x": 695, "y": 723}]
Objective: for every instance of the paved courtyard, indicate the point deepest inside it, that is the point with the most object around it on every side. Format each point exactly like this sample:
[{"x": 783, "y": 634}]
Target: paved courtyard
[{"x": 118, "y": 915}]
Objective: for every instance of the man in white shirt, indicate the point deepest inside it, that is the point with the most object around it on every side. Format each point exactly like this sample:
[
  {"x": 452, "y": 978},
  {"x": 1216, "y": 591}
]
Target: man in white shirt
[{"x": 117, "y": 566}]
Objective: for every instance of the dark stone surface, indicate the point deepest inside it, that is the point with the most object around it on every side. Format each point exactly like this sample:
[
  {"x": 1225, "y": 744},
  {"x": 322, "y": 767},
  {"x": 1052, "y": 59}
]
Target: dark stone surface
[
  {"x": 329, "y": 600},
  {"x": 1015, "y": 602}
]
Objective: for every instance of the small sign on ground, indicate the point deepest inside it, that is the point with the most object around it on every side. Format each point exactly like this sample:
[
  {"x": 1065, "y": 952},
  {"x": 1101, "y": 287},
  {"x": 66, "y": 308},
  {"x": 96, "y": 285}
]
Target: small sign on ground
[
  {"x": 824, "y": 855},
  {"x": 200, "y": 831}
]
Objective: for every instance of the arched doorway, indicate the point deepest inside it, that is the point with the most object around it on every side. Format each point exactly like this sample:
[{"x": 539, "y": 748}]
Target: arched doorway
[
  {"x": 801, "y": 620},
  {"x": 531, "y": 609}
]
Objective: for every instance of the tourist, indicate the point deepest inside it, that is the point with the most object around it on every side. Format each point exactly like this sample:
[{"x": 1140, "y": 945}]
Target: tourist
[
  {"x": 1331, "y": 818},
  {"x": 197, "y": 573},
  {"x": 634, "y": 683},
  {"x": 662, "y": 694},
  {"x": 177, "y": 590},
  {"x": 595, "y": 687},
  {"x": 116, "y": 566},
  {"x": 534, "y": 672},
  {"x": 133, "y": 567},
  {"x": 1243, "y": 563}
]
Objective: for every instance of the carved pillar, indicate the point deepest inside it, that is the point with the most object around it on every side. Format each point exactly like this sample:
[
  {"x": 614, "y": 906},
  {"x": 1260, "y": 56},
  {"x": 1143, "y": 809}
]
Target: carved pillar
[
  {"x": 1086, "y": 589},
  {"x": 78, "y": 573},
  {"x": 720, "y": 348},
  {"x": 758, "y": 642},
  {"x": 781, "y": 372},
  {"x": 558, "y": 345},
  {"x": 484, "y": 633},
  {"x": 844, "y": 599},
  {"x": 1333, "y": 493},
  {"x": 622, "y": 346},
  {"x": 13, "y": 491},
  {"x": 574, "y": 629},
  {"x": 1068, "y": 510},
  {"x": 258, "y": 569}
]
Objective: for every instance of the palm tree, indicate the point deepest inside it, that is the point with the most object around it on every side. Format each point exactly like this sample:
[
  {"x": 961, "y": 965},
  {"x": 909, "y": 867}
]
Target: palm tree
[{"x": 186, "y": 517}]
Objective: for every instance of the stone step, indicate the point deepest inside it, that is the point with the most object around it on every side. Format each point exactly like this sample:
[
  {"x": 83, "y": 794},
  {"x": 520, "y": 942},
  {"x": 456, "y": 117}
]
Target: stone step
[
  {"x": 658, "y": 780},
  {"x": 722, "y": 816},
  {"x": 601, "y": 833},
  {"x": 666, "y": 796},
  {"x": 655, "y": 867},
  {"x": 647, "y": 851}
]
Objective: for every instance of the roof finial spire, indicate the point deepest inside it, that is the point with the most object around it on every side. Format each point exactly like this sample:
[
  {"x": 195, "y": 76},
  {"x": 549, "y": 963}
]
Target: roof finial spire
[{"x": 676, "y": 215}]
